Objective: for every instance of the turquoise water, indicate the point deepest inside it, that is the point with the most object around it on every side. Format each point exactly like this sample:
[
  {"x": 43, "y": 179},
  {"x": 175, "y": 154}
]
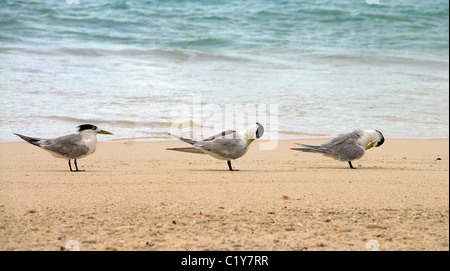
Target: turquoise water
[{"x": 136, "y": 67}]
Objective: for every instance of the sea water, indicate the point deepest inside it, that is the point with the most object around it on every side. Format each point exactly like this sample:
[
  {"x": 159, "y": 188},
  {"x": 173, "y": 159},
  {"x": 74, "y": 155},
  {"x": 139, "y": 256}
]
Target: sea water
[{"x": 307, "y": 68}]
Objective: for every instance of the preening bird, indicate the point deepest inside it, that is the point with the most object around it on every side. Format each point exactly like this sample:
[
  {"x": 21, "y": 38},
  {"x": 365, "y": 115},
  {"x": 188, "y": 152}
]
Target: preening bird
[
  {"x": 347, "y": 147},
  {"x": 73, "y": 146},
  {"x": 228, "y": 145}
]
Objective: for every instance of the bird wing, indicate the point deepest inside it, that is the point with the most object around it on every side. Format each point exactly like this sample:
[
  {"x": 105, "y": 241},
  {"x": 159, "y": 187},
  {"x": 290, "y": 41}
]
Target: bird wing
[
  {"x": 223, "y": 148},
  {"x": 68, "y": 146},
  {"x": 311, "y": 148},
  {"x": 342, "y": 138},
  {"x": 191, "y": 150},
  {"x": 187, "y": 140},
  {"x": 222, "y": 135},
  {"x": 344, "y": 147},
  {"x": 31, "y": 140}
]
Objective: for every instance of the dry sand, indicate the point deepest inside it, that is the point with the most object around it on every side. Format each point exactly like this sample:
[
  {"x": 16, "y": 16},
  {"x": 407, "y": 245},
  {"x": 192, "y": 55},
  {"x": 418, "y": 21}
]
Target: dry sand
[{"x": 138, "y": 196}]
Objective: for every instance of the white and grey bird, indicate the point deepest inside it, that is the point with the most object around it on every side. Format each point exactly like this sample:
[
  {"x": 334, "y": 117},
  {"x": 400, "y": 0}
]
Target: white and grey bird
[
  {"x": 347, "y": 147},
  {"x": 228, "y": 145},
  {"x": 73, "y": 146}
]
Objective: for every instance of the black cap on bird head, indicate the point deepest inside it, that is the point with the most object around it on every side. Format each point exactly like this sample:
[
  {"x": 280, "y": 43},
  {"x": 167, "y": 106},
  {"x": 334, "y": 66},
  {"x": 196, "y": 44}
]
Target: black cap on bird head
[
  {"x": 259, "y": 131},
  {"x": 379, "y": 143},
  {"x": 87, "y": 127}
]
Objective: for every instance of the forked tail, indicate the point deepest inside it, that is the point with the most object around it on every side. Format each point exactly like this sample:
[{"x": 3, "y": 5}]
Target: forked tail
[
  {"x": 187, "y": 140},
  {"x": 309, "y": 148},
  {"x": 191, "y": 150},
  {"x": 31, "y": 140}
]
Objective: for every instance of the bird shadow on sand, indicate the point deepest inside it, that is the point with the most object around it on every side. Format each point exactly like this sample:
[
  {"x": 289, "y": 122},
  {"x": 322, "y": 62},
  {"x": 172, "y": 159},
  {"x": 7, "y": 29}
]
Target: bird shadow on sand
[
  {"x": 87, "y": 171},
  {"x": 345, "y": 168},
  {"x": 221, "y": 170}
]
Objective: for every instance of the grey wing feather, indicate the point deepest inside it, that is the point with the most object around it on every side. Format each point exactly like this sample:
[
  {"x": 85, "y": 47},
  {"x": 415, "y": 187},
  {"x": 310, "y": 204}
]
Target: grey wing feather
[
  {"x": 31, "y": 140},
  {"x": 348, "y": 152},
  {"x": 310, "y": 148},
  {"x": 340, "y": 139},
  {"x": 191, "y": 150},
  {"x": 216, "y": 147},
  {"x": 344, "y": 147},
  {"x": 223, "y": 148},
  {"x": 66, "y": 146},
  {"x": 187, "y": 140}
]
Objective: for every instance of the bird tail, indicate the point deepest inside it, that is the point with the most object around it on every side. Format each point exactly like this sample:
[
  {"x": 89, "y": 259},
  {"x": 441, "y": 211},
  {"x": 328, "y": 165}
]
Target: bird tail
[
  {"x": 191, "y": 150},
  {"x": 187, "y": 140},
  {"x": 309, "y": 148},
  {"x": 31, "y": 140}
]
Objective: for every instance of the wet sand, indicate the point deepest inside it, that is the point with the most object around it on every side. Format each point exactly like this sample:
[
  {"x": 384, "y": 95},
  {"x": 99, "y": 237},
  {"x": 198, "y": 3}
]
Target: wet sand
[{"x": 139, "y": 196}]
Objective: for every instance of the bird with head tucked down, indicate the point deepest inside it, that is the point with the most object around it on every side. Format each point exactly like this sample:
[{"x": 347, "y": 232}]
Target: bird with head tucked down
[
  {"x": 228, "y": 145},
  {"x": 347, "y": 147}
]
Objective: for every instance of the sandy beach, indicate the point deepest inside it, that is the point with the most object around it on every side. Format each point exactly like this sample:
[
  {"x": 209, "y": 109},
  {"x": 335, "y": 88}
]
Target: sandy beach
[{"x": 139, "y": 196}]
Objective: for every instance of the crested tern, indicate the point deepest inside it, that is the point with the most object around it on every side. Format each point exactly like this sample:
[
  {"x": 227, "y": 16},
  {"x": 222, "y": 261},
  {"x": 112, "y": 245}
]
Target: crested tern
[
  {"x": 73, "y": 146},
  {"x": 228, "y": 145},
  {"x": 347, "y": 147}
]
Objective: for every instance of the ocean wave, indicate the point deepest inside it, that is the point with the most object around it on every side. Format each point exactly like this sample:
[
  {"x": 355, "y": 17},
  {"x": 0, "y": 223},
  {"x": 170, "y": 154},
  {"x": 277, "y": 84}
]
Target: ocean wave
[
  {"x": 116, "y": 123},
  {"x": 329, "y": 66},
  {"x": 229, "y": 24}
]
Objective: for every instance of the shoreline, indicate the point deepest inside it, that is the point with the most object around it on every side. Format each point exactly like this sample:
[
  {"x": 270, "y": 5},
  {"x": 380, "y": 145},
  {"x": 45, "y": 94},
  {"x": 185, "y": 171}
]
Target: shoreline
[
  {"x": 166, "y": 139},
  {"x": 139, "y": 196}
]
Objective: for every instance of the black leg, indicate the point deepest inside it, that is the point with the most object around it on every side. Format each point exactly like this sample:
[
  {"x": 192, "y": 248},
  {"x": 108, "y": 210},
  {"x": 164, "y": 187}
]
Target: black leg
[
  {"x": 350, "y": 163},
  {"x": 76, "y": 165},
  {"x": 229, "y": 166},
  {"x": 70, "y": 166}
]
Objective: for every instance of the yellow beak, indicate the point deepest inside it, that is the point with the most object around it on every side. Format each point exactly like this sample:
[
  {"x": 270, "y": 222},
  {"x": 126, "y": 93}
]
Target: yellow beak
[
  {"x": 248, "y": 142},
  {"x": 104, "y": 132},
  {"x": 370, "y": 145}
]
